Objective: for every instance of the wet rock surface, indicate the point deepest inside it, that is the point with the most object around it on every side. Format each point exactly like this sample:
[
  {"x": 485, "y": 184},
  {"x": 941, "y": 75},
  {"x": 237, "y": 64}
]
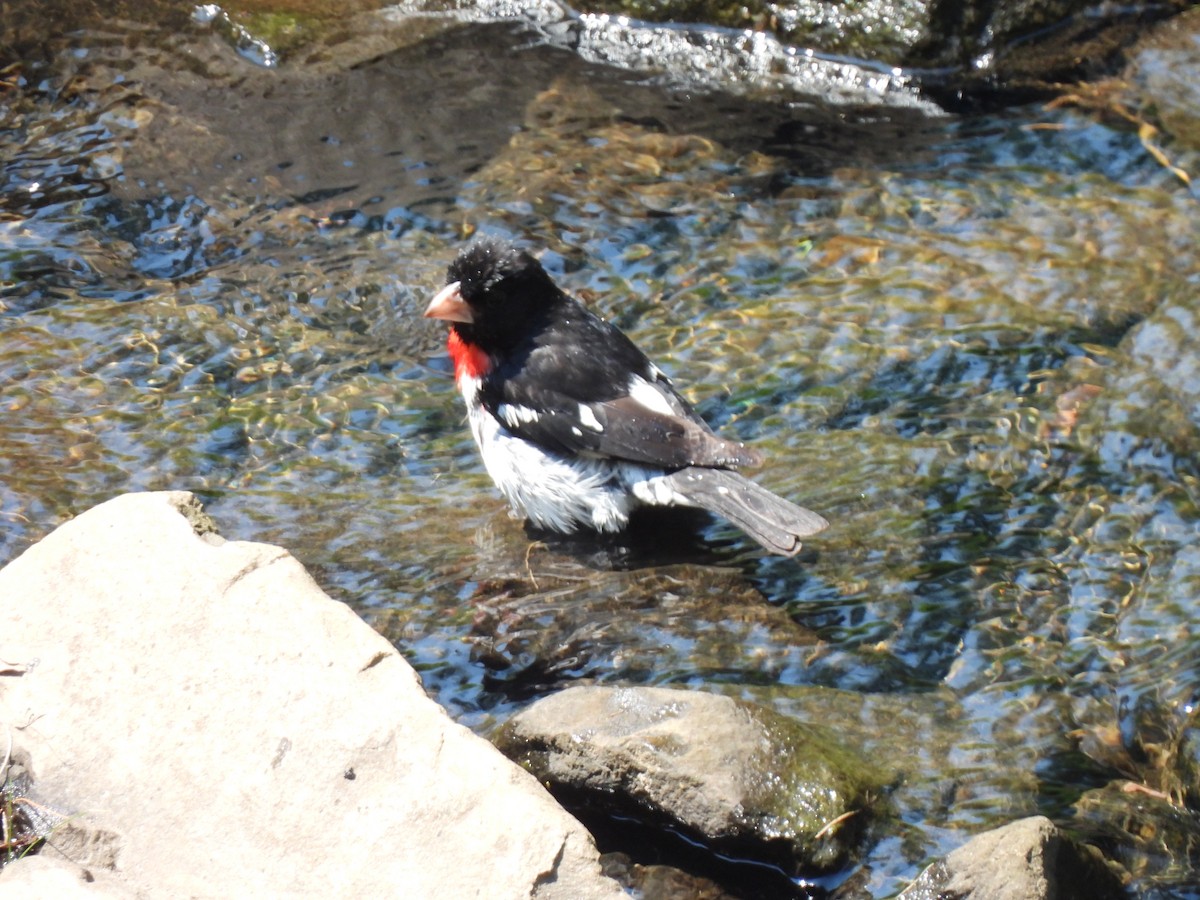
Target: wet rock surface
[
  {"x": 962, "y": 53},
  {"x": 742, "y": 779}
]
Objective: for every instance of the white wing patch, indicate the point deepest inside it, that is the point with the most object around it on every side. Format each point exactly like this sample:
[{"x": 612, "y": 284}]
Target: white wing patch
[
  {"x": 587, "y": 418},
  {"x": 649, "y": 396},
  {"x": 514, "y": 415}
]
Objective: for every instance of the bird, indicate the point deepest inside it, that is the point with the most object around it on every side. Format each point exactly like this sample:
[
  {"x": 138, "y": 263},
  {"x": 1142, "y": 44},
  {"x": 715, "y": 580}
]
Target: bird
[{"x": 576, "y": 426}]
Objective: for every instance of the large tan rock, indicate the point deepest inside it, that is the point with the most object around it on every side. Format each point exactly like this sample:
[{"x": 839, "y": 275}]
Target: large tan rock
[
  {"x": 215, "y": 725},
  {"x": 42, "y": 875}
]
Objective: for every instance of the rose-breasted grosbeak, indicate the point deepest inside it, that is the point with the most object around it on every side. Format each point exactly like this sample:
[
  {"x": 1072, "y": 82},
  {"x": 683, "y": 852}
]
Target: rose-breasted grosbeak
[{"x": 576, "y": 426}]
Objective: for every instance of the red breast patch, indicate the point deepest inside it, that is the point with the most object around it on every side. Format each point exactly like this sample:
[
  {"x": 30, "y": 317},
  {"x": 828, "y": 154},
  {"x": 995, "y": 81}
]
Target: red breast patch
[{"x": 469, "y": 360}]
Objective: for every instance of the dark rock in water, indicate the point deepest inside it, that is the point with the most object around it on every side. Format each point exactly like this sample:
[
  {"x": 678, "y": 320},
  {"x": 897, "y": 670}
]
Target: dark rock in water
[
  {"x": 737, "y": 778},
  {"x": 658, "y": 882},
  {"x": 1002, "y": 49},
  {"x": 1008, "y": 50},
  {"x": 1146, "y": 832},
  {"x": 572, "y": 622},
  {"x": 1029, "y": 859}
]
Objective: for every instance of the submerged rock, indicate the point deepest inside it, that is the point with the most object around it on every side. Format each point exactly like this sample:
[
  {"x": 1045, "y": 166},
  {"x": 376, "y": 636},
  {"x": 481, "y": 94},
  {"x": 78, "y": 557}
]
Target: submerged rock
[
  {"x": 1147, "y": 833},
  {"x": 531, "y": 639},
  {"x": 1159, "y": 81},
  {"x": 205, "y": 721},
  {"x": 737, "y": 777},
  {"x": 657, "y": 882}
]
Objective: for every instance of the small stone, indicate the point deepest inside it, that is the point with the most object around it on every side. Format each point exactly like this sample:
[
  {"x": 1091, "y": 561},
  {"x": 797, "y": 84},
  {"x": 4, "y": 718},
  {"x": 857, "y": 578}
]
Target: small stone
[{"x": 1030, "y": 859}]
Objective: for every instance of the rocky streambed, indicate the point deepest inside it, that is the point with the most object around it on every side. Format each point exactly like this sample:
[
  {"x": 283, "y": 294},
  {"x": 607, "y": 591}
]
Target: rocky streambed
[
  {"x": 950, "y": 295},
  {"x": 188, "y": 715}
]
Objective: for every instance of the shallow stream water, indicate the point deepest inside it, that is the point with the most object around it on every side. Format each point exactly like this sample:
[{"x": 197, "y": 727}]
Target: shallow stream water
[{"x": 969, "y": 342}]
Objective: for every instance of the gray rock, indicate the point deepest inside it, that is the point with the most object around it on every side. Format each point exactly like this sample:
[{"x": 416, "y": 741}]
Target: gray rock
[
  {"x": 212, "y": 724},
  {"x": 727, "y": 772},
  {"x": 1029, "y": 859}
]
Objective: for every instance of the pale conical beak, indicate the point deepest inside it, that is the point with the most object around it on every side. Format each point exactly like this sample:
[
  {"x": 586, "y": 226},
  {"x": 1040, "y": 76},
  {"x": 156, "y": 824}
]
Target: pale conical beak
[{"x": 448, "y": 304}]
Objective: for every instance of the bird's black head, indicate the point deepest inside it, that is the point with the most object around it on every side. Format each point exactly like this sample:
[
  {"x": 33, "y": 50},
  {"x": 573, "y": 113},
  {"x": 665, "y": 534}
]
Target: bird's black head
[{"x": 506, "y": 292}]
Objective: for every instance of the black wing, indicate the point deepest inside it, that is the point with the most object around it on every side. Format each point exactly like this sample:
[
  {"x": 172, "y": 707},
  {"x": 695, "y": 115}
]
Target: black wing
[{"x": 581, "y": 386}]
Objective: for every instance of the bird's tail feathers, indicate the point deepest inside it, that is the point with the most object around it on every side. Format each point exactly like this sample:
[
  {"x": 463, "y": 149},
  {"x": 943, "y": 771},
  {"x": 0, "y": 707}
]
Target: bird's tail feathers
[{"x": 775, "y": 523}]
